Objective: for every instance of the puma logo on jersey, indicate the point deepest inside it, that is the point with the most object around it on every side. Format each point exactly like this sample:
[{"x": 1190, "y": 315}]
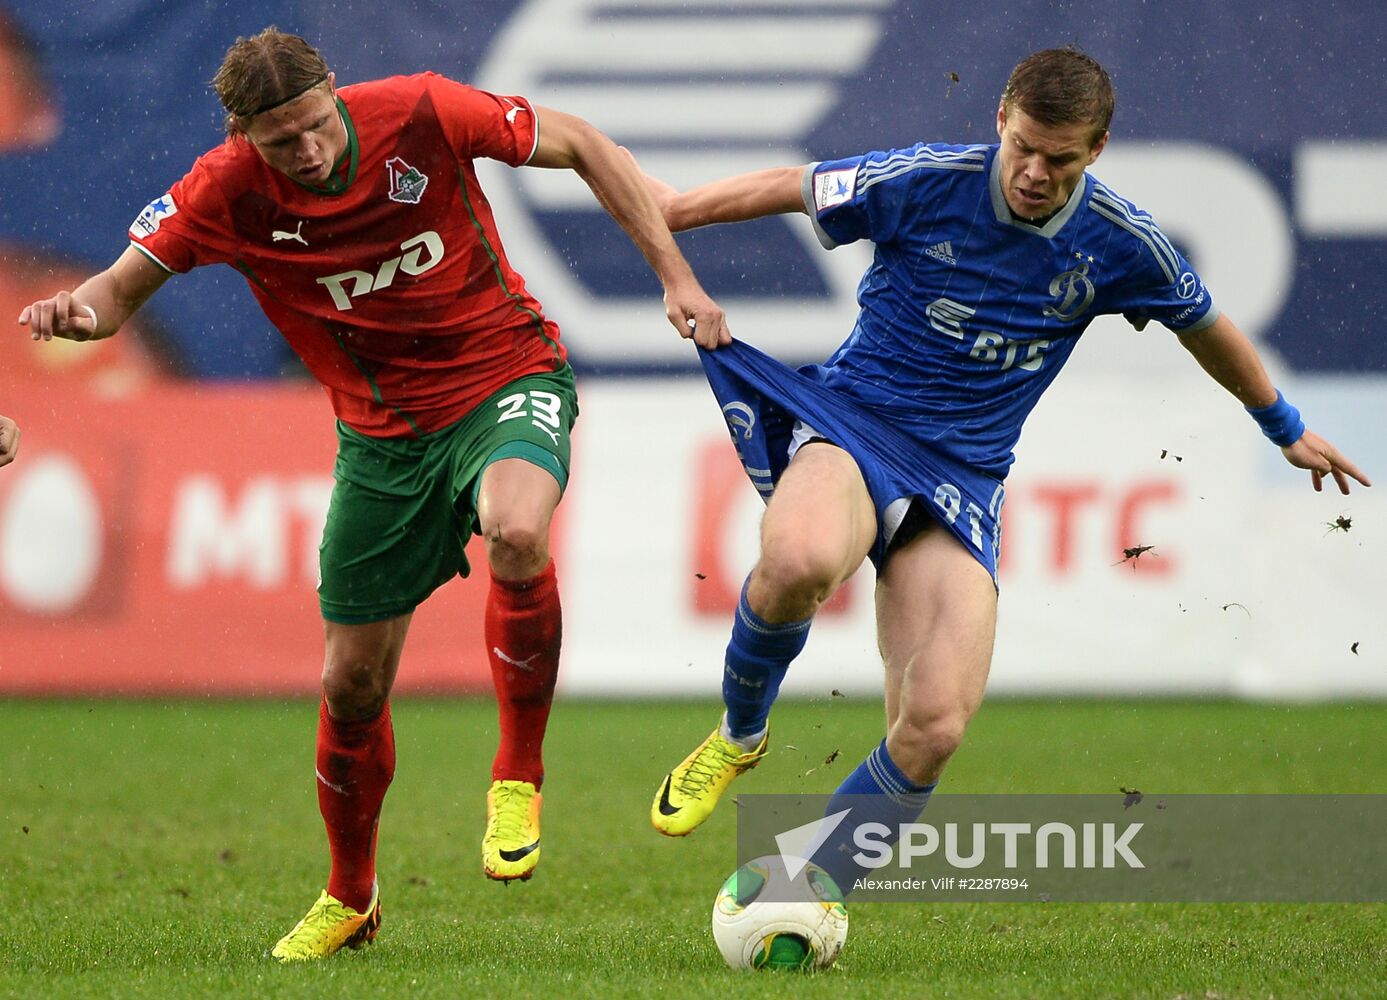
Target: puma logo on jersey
[
  {"x": 421, "y": 253},
  {"x": 297, "y": 234},
  {"x": 522, "y": 664}
]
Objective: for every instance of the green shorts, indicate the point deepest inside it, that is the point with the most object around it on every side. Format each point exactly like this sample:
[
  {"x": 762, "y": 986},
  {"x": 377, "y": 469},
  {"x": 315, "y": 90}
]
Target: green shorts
[{"x": 403, "y": 509}]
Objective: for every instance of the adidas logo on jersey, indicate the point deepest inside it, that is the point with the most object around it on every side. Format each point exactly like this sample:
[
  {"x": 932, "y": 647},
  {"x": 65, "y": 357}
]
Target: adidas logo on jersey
[{"x": 943, "y": 251}]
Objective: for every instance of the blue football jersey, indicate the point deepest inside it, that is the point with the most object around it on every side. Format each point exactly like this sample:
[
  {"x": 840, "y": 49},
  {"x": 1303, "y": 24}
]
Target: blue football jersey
[{"x": 967, "y": 314}]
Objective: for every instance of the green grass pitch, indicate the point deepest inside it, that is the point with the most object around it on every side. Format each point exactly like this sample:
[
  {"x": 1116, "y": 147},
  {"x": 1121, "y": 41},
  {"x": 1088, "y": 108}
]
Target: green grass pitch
[{"x": 158, "y": 849}]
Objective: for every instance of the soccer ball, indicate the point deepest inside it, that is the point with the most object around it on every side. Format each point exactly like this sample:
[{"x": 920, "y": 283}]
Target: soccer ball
[{"x": 764, "y": 919}]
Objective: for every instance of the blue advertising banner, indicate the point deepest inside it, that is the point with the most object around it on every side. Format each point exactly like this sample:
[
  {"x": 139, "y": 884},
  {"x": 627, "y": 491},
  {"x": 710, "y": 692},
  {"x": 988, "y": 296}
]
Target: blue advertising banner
[{"x": 1255, "y": 134}]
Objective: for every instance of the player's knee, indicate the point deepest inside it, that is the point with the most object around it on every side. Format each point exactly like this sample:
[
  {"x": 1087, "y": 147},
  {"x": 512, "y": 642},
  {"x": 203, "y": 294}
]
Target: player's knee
[
  {"x": 517, "y": 547},
  {"x": 922, "y": 743},
  {"x": 354, "y": 688},
  {"x": 800, "y": 568}
]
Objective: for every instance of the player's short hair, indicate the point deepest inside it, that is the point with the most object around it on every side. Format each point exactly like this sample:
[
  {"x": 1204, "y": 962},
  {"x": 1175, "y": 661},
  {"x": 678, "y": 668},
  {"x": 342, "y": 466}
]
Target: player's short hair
[
  {"x": 1062, "y": 87},
  {"x": 264, "y": 71}
]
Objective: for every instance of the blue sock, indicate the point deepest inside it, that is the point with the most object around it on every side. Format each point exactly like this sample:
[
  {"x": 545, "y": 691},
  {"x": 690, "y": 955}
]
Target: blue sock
[
  {"x": 757, "y": 658},
  {"x": 876, "y": 792}
]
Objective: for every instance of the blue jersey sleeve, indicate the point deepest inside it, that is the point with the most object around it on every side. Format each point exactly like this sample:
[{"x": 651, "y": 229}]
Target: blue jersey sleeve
[
  {"x": 858, "y": 198},
  {"x": 1159, "y": 282}
]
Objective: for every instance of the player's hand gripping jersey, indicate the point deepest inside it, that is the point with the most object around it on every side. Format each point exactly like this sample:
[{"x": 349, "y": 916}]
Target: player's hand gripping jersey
[
  {"x": 967, "y": 313},
  {"x": 389, "y": 281}
]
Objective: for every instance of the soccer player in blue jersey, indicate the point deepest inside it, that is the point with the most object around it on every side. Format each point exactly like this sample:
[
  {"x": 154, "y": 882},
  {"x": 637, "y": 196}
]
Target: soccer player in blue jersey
[{"x": 990, "y": 261}]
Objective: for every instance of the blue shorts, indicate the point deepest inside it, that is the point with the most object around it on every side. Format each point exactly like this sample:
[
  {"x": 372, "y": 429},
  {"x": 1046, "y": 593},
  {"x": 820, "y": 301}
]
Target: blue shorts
[{"x": 762, "y": 401}]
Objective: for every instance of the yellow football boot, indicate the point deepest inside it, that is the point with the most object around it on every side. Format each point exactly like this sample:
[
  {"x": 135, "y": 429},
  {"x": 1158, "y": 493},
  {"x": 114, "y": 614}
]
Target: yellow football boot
[
  {"x": 330, "y": 926},
  {"x": 510, "y": 846},
  {"x": 691, "y": 790}
]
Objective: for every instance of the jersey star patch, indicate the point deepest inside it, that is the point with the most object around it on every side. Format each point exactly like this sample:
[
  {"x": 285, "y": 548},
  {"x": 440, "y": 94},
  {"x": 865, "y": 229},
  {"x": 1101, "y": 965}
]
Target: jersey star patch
[
  {"x": 147, "y": 222},
  {"x": 834, "y": 187}
]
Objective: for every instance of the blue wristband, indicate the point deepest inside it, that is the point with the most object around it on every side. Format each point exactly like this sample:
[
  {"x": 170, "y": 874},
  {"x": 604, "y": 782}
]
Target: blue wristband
[{"x": 1280, "y": 421}]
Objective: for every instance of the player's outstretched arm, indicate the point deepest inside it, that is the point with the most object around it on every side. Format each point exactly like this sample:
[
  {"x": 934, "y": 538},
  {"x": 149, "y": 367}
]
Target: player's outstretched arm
[
  {"x": 775, "y": 191},
  {"x": 733, "y": 199},
  {"x": 99, "y": 306},
  {"x": 571, "y": 143},
  {"x": 1230, "y": 358},
  {"x": 9, "y": 440}
]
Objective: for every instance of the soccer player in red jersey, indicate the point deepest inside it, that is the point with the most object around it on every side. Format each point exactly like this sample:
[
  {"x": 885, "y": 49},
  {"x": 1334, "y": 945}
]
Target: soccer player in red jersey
[{"x": 356, "y": 218}]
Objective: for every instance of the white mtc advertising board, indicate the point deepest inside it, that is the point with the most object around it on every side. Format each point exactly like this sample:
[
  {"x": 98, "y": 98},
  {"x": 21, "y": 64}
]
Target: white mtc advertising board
[{"x": 1250, "y": 586}]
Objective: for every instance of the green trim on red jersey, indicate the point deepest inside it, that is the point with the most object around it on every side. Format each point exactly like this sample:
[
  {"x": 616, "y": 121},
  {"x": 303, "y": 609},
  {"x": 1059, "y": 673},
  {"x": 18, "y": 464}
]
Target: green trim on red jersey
[
  {"x": 375, "y": 389},
  {"x": 356, "y": 361},
  {"x": 515, "y": 299},
  {"x": 150, "y": 255},
  {"x": 335, "y": 184},
  {"x": 250, "y": 275}
]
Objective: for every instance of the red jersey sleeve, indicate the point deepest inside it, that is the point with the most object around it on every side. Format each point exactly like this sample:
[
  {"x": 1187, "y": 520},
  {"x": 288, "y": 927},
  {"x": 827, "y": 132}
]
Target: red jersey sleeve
[
  {"x": 481, "y": 124},
  {"x": 187, "y": 226}
]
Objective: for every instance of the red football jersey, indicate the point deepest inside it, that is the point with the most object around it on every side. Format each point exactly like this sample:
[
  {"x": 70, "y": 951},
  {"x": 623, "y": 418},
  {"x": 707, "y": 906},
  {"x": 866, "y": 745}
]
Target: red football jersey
[{"x": 389, "y": 281}]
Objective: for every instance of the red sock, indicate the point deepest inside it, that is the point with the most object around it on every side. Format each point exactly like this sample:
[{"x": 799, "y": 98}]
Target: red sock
[
  {"x": 524, "y": 626},
  {"x": 356, "y": 761}
]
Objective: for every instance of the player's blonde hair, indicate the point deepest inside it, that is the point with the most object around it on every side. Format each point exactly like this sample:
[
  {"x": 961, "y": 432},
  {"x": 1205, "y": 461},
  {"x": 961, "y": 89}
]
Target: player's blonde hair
[
  {"x": 1062, "y": 87},
  {"x": 264, "y": 71}
]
